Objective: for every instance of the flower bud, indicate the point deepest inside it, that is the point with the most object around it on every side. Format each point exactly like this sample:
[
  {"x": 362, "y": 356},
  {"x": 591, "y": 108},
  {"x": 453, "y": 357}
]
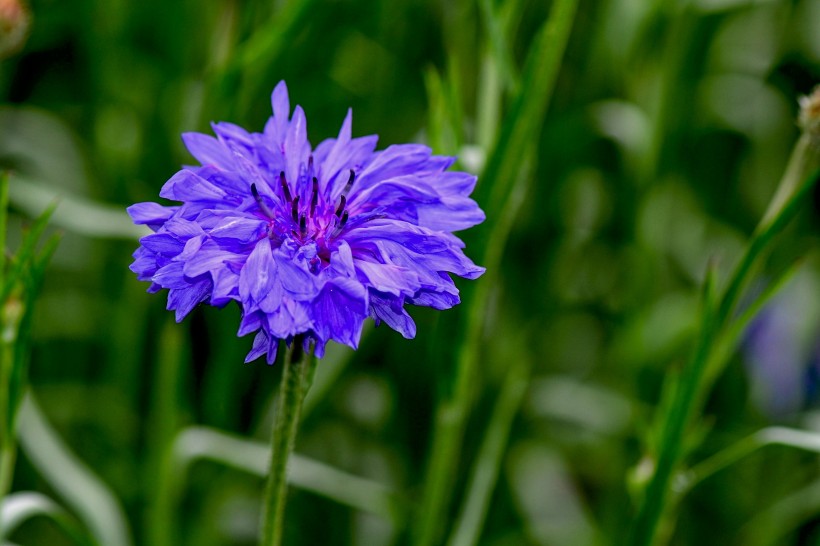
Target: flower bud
[{"x": 15, "y": 21}]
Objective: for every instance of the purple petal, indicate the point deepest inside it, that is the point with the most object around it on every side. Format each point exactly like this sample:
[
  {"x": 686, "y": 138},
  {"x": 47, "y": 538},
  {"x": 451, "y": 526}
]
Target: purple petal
[
  {"x": 296, "y": 146},
  {"x": 208, "y": 150},
  {"x": 187, "y": 186},
  {"x": 184, "y": 301},
  {"x": 281, "y": 106},
  {"x": 151, "y": 214},
  {"x": 394, "y": 316},
  {"x": 260, "y": 347},
  {"x": 257, "y": 276},
  {"x": 241, "y": 229},
  {"x": 339, "y": 311}
]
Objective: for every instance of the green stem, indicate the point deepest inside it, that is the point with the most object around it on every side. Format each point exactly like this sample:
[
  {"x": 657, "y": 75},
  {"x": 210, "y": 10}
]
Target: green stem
[
  {"x": 694, "y": 382},
  {"x": 297, "y": 376},
  {"x": 499, "y": 190},
  {"x": 798, "y": 439}
]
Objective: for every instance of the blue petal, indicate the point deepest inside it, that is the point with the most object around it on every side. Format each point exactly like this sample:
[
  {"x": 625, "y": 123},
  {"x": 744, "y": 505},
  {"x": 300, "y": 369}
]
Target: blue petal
[
  {"x": 187, "y": 186},
  {"x": 260, "y": 347},
  {"x": 257, "y": 276},
  {"x": 388, "y": 278},
  {"x": 244, "y": 230},
  {"x": 296, "y": 147},
  {"x": 339, "y": 311},
  {"x": 281, "y": 106},
  {"x": 162, "y": 243},
  {"x": 393, "y": 315},
  {"x": 207, "y": 150},
  {"x": 151, "y": 214},
  {"x": 184, "y": 301},
  {"x": 171, "y": 276}
]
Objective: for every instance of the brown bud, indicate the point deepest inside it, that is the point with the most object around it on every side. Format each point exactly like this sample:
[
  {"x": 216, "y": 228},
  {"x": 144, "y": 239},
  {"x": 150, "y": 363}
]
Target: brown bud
[{"x": 15, "y": 21}]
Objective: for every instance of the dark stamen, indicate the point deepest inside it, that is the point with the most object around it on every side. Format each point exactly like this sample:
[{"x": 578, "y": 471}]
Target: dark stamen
[
  {"x": 350, "y": 181},
  {"x": 302, "y": 224},
  {"x": 314, "y": 199},
  {"x": 342, "y": 203},
  {"x": 343, "y": 220},
  {"x": 294, "y": 209},
  {"x": 258, "y": 199},
  {"x": 284, "y": 184}
]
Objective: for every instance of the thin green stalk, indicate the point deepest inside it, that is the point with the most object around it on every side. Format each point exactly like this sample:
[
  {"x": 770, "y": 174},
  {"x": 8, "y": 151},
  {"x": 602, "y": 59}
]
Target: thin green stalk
[
  {"x": 164, "y": 421},
  {"x": 12, "y": 311},
  {"x": 497, "y": 193},
  {"x": 798, "y": 180},
  {"x": 467, "y": 529},
  {"x": 799, "y": 439},
  {"x": 4, "y": 216},
  {"x": 297, "y": 375}
]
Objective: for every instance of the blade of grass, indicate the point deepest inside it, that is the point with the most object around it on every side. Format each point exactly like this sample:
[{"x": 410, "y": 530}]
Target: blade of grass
[
  {"x": 494, "y": 193},
  {"x": 90, "y": 498},
  {"x": 4, "y": 217},
  {"x": 770, "y": 436},
  {"x": 75, "y": 214},
  {"x": 202, "y": 443},
  {"x": 468, "y": 525},
  {"x": 25, "y": 254},
  {"x": 695, "y": 381},
  {"x": 164, "y": 420},
  {"x": 19, "y": 507}
]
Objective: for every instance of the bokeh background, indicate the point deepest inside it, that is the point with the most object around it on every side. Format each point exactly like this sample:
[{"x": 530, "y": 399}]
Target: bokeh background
[{"x": 668, "y": 130}]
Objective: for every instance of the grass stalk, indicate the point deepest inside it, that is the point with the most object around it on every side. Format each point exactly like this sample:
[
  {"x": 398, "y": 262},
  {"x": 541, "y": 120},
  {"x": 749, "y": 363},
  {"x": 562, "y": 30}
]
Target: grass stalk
[{"x": 797, "y": 181}]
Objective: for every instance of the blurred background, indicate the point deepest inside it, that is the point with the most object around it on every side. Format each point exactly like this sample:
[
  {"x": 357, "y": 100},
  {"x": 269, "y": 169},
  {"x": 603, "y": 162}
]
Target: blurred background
[{"x": 668, "y": 130}]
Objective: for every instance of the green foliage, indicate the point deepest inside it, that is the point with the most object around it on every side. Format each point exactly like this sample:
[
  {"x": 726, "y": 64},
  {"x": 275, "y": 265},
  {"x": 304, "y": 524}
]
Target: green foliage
[{"x": 602, "y": 372}]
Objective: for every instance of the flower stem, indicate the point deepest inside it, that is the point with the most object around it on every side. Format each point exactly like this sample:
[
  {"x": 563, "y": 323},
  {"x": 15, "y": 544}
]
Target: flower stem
[
  {"x": 697, "y": 377},
  {"x": 297, "y": 376}
]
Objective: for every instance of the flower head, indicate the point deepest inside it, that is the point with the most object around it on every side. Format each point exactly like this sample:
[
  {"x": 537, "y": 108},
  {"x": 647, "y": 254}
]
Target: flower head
[{"x": 308, "y": 241}]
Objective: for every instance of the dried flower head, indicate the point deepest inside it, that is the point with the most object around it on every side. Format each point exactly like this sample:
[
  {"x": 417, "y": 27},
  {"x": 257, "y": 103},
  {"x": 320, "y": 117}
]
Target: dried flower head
[
  {"x": 15, "y": 22},
  {"x": 809, "y": 117},
  {"x": 308, "y": 241}
]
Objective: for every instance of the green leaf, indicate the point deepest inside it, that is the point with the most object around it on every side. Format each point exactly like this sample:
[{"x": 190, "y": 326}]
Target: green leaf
[
  {"x": 88, "y": 496},
  {"x": 202, "y": 443},
  {"x": 19, "y": 507},
  {"x": 467, "y": 528},
  {"x": 75, "y": 214}
]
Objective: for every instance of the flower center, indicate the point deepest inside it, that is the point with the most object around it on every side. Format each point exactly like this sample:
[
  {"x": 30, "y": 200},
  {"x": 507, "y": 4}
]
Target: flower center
[{"x": 308, "y": 224}]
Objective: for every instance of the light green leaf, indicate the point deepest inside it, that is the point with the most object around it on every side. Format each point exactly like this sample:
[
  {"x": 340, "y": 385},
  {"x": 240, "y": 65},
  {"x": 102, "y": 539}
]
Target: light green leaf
[
  {"x": 22, "y": 506},
  {"x": 90, "y": 498}
]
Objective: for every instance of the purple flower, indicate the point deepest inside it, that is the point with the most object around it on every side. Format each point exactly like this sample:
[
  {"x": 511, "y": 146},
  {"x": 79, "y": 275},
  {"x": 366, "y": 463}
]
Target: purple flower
[{"x": 307, "y": 241}]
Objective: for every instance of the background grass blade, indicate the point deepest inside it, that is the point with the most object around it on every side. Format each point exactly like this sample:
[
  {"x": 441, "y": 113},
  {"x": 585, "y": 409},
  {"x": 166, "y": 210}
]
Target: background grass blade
[
  {"x": 19, "y": 507},
  {"x": 494, "y": 192},
  {"x": 94, "y": 503}
]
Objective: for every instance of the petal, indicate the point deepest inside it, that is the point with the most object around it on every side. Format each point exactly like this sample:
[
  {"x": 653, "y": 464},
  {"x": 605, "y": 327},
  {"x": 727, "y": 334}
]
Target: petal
[
  {"x": 436, "y": 300},
  {"x": 281, "y": 106},
  {"x": 151, "y": 214},
  {"x": 296, "y": 279},
  {"x": 187, "y": 186},
  {"x": 296, "y": 145},
  {"x": 184, "y": 301},
  {"x": 208, "y": 150},
  {"x": 162, "y": 243},
  {"x": 171, "y": 276},
  {"x": 388, "y": 278},
  {"x": 257, "y": 275},
  {"x": 260, "y": 347},
  {"x": 244, "y": 230},
  {"x": 393, "y": 315},
  {"x": 339, "y": 311}
]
